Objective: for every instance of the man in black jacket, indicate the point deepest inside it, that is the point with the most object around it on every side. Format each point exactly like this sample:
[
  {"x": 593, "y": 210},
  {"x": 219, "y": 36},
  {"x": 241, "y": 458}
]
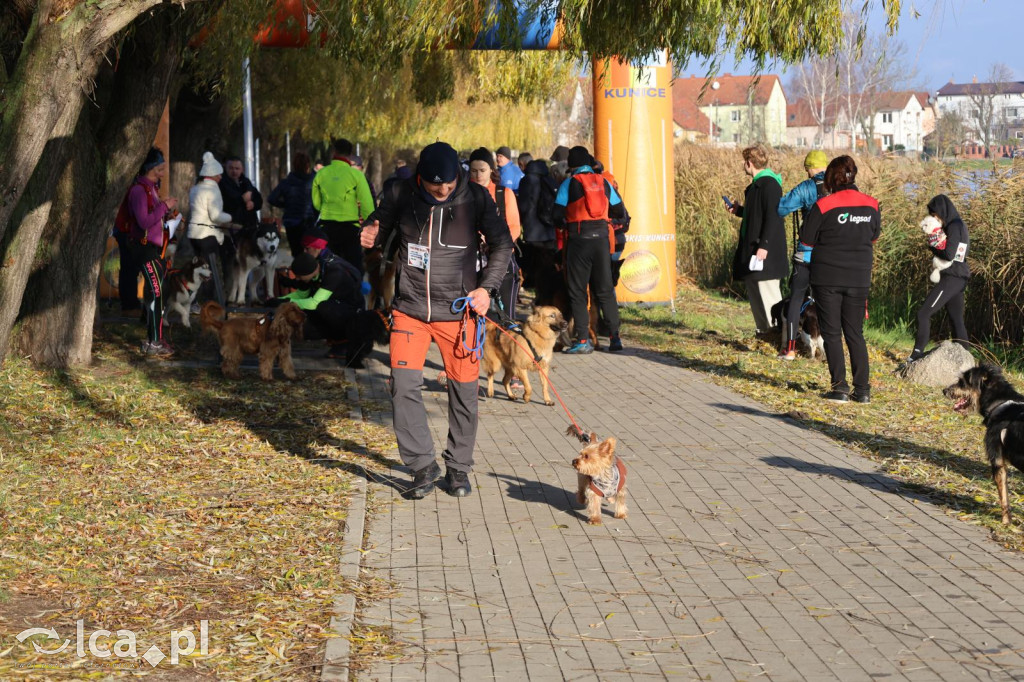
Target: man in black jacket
[
  {"x": 761, "y": 254},
  {"x": 440, "y": 217},
  {"x": 241, "y": 198}
]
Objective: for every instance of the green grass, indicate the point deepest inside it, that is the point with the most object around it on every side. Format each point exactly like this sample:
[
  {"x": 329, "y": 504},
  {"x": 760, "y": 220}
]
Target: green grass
[{"x": 909, "y": 430}]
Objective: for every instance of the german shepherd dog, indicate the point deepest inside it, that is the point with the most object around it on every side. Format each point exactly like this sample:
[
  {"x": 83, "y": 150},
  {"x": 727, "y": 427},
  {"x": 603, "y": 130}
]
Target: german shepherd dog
[
  {"x": 984, "y": 390},
  {"x": 183, "y": 285},
  {"x": 256, "y": 253},
  {"x": 808, "y": 328},
  {"x": 539, "y": 333}
]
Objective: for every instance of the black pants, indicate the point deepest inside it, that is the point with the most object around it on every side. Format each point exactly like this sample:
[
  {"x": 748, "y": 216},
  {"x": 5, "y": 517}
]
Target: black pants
[
  {"x": 799, "y": 283},
  {"x": 948, "y": 294},
  {"x": 153, "y": 270},
  {"x": 127, "y": 273},
  {"x": 509, "y": 289},
  {"x": 343, "y": 240},
  {"x": 587, "y": 263},
  {"x": 841, "y": 314},
  {"x": 219, "y": 257},
  {"x": 330, "y": 320},
  {"x": 294, "y": 234}
]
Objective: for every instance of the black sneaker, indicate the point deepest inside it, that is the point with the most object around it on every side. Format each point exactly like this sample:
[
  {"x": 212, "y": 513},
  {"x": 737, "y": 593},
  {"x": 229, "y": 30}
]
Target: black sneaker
[
  {"x": 423, "y": 482},
  {"x": 861, "y": 397},
  {"x": 614, "y": 344},
  {"x": 457, "y": 483},
  {"x": 837, "y": 397}
]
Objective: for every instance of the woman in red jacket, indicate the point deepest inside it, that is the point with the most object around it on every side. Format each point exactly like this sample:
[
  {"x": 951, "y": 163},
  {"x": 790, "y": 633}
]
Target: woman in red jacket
[{"x": 838, "y": 238}]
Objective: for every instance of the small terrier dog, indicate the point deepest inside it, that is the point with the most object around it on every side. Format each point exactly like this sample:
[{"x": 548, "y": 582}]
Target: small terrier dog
[
  {"x": 932, "y": 228},
  {"x": 601, "y": 476}
]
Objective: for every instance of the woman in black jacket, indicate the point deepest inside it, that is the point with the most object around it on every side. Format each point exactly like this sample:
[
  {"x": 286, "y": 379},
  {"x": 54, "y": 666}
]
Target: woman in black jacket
[
  {"x": 838, "y": 236},
  {"x": 949, "y": 292},
  {"x": 762, "y": 241},
  {"x": 295, "y": 195}
]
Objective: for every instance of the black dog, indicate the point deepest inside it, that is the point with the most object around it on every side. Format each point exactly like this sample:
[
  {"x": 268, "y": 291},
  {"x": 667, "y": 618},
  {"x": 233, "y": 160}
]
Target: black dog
[
  {"x": 809, "y": 329},
  {"x": 984, "y": 390},
  {"x": 366, "y": 328}
]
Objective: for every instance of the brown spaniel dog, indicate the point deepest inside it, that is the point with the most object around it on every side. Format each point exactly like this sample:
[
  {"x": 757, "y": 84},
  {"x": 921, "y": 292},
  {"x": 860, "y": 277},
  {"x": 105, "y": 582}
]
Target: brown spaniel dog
[{"x": 269, "y": 336}]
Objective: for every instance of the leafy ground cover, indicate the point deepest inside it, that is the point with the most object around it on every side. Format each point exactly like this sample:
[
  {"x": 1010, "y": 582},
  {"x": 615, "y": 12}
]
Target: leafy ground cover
[
  {"x": 910, "y": 431},
  {"x": 138, "y": 495}
]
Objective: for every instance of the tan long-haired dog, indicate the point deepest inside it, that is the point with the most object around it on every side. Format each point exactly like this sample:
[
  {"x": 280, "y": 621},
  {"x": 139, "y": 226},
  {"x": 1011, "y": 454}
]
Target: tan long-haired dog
[
  {"x": 539, "y": 334},
  {"x": 269, "y": 336},
  {"x": 602, "y": 477}
]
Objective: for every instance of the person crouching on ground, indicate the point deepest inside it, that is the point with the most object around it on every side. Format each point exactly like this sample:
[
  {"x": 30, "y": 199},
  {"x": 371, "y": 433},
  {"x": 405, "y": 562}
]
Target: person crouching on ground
[
  {"x": 583, "y": 206},
  {"x": 841, "y": 230},
  {"x": 760, "y": 260},
  {"x": 439, "y": 215},
  {"x": 801, "y": 198}
]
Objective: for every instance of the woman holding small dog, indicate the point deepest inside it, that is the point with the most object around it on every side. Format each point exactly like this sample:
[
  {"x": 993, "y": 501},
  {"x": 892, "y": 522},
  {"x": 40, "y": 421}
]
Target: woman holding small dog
[
  {"x": 841, "y": 230},
  {"x": 948, "y": 246}
]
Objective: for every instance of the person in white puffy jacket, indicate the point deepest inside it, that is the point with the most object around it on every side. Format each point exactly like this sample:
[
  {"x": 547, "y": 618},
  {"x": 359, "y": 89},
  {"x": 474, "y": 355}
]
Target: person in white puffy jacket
[{"x": 206, "y": 216}]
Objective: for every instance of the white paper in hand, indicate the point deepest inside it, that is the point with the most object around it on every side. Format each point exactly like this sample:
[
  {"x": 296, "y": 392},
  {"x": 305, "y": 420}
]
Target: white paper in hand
[
  {"x": 172, "y": 225},
  {"x": 756, "y": 264}
]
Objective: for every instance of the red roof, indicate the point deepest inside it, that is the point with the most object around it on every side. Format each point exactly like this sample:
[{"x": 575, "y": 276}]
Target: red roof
[
  {"x": 800, "y": 114},
  {"x": 897, "y": 101},
  {"x": 688, "y": 117},
  {"x": 732, "y": 90}
]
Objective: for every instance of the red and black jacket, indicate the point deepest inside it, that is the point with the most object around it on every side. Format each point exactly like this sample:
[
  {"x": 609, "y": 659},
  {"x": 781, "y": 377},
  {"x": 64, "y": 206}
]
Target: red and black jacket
[{"x": 842, "y": 229}]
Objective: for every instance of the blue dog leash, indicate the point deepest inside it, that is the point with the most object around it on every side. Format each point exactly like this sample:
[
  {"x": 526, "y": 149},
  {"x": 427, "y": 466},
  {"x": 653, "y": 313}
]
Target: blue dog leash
[{"x": 462, "y": 305}]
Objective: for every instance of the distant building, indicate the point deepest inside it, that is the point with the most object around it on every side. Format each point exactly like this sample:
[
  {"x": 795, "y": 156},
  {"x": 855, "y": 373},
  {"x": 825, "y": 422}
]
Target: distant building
[
  {"x": 690, "y": 124},
  {"x": 742, "y": 110},
  {"x": 902, "y": 118},
  {"x": 803, "y": 130},
  {"x": 1007, "y": 102}
]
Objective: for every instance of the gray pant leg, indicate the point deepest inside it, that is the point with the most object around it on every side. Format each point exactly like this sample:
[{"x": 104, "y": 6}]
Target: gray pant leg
[
  {"x": 462, "y": 420},
  {"x": 415, "y": 444}
]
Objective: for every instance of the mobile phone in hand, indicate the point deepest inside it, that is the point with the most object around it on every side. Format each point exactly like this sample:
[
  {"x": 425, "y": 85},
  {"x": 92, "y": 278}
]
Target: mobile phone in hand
[{"x": 728, "y": 204}]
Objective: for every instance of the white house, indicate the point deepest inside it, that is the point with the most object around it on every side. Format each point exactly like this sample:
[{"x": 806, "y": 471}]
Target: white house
[
  {"x": 1007, "y": 101},
  {"x": 903, "y": 118}
]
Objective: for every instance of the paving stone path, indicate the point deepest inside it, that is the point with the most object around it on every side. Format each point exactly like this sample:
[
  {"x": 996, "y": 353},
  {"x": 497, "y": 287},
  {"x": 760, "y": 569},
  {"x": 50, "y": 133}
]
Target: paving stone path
[{"x": 754, "y": 548}]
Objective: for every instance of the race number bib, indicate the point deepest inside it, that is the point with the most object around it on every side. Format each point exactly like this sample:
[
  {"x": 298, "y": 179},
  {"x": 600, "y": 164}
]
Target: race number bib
[
  {"x": 961, "y": 252},
  {"x": 419, "y": 256}
]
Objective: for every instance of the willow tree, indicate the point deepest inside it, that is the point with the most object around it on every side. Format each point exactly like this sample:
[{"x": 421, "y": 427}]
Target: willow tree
[{"x": 53, "y": 51}]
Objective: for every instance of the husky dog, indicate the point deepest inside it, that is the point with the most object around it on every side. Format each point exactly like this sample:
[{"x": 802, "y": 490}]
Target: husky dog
[
  {"x": 256, "y": 253},
  {"x": 183, "y": 285}
]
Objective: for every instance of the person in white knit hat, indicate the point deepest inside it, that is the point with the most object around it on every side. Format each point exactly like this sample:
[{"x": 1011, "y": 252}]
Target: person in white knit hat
[{"x": 206, "y": 216}]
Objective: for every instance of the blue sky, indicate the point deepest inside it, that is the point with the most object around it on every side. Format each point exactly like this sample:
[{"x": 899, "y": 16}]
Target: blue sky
[{"x": 952, "y": 39}]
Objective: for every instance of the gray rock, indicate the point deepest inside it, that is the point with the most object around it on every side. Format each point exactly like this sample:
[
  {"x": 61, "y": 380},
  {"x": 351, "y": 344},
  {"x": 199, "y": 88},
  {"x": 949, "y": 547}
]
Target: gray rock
[{"x": 941, "y": 366}]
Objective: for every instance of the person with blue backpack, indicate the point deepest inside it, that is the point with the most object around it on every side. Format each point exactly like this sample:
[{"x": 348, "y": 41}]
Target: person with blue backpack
[
  {"x": 801, "y": 198},
  {"x": 584, "y": 206}
]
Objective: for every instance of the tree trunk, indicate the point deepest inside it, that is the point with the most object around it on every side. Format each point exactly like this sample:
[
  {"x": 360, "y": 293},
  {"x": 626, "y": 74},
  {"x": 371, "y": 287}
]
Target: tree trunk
[
  {"x": 57, "y": 310},
  {"x": 47, "y": 88}
]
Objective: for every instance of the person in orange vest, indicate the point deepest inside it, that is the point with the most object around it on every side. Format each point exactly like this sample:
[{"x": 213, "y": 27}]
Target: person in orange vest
[{"x": 584, "y": 204}]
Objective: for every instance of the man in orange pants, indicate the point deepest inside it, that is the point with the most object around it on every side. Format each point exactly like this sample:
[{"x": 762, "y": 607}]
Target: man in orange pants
[{"x": 439, "y": 216}]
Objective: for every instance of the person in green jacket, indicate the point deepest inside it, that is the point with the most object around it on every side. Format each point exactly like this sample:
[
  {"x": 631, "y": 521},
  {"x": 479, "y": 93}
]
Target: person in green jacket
[{"x": 342, "y": 196}]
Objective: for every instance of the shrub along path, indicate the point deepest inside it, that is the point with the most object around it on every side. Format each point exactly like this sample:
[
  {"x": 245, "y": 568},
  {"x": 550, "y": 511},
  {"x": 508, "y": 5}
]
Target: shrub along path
[{"x": 755, "y": 545}]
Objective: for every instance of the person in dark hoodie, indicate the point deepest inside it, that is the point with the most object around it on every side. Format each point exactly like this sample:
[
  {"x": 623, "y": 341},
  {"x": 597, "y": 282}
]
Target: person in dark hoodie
[
  {"x": 760, "y": 260},
  {"x": 295, "y": 195},
  {"x": 949, "y": 292},
  {"x": 241, "y": 198},
  {"x": 536, "y": 213},
  {"x": 439, "y": 216}
]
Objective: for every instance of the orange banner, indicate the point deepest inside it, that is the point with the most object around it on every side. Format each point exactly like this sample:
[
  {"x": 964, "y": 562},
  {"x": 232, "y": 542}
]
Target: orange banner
[{"x": 633, "y": 139}]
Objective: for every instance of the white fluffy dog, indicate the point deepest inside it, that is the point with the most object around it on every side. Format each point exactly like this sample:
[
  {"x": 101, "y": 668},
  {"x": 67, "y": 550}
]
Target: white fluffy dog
[{"x": 932, "y": 228}]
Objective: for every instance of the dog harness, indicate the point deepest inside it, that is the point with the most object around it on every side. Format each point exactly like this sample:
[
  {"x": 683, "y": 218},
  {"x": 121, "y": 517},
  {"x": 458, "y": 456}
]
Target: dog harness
[
  {"x": 999, "y": 408},
  {"x": 610, "y": 484}
]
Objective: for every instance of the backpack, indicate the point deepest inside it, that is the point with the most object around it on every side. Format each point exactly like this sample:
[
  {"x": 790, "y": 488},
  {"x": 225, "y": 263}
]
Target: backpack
[
  {"x": 546, "y": 203},
  {"x": 595, "y": 201},
  {"x": 125, "y": 222}
]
